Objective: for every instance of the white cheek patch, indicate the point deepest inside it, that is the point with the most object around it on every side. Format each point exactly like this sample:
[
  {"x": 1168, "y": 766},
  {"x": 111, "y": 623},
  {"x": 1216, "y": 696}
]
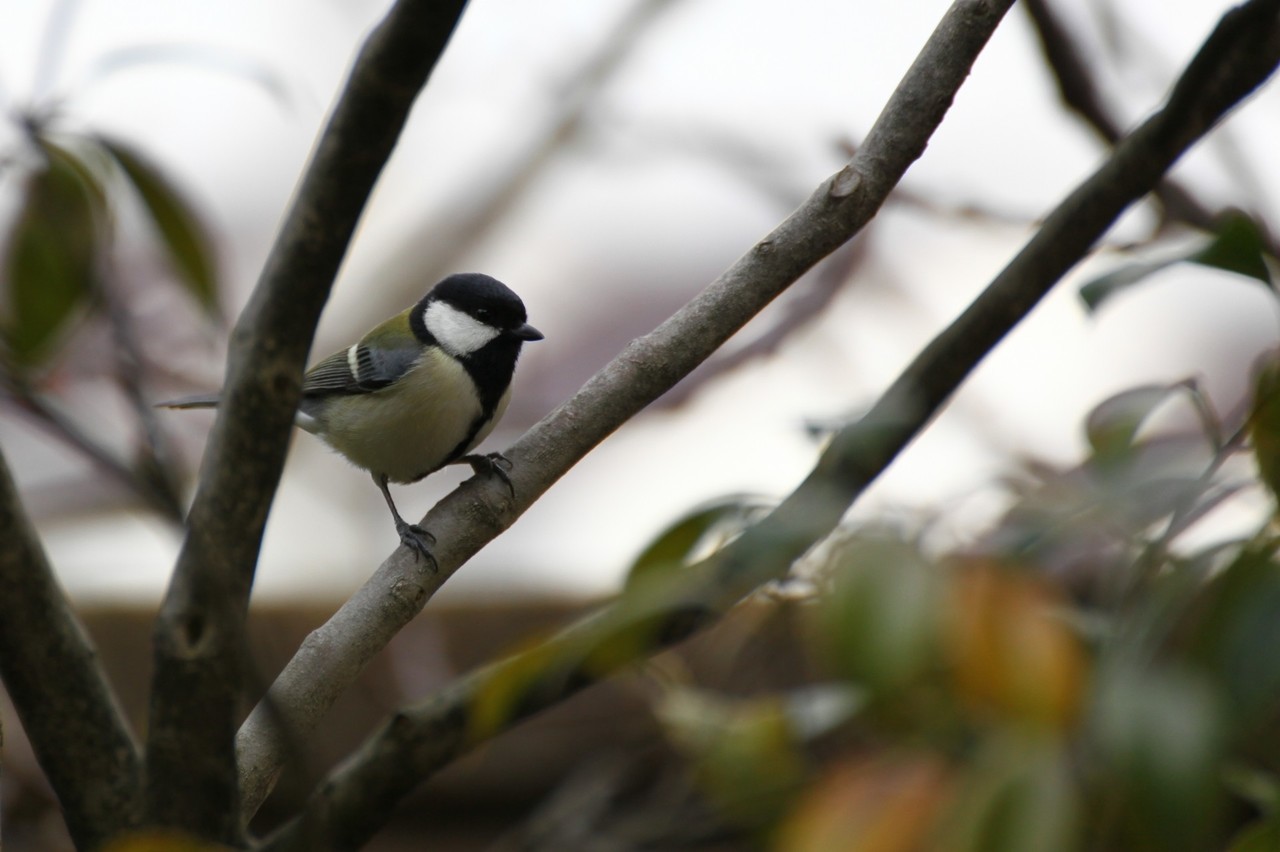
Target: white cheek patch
[{"x": 457, "y": 333}]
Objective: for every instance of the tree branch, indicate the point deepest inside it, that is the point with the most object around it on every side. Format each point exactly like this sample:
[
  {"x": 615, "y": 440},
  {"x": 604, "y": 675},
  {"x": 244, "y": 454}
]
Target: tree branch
[
  {"x": 473, "y": 212},
  {"x": 50, "y": 668},
  {"x": 28, "y": 401},
  {"x": 1241, "y": 53},
  {"x": 476, "y": 512},
  {"x": 825, "y": 284},
  {"x": 1080, "y": 93},
  {"x": 191, "y": 774}
]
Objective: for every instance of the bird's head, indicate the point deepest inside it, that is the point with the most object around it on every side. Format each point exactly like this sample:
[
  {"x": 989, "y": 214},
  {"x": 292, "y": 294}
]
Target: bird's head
[{"x": 466, "y": 312}]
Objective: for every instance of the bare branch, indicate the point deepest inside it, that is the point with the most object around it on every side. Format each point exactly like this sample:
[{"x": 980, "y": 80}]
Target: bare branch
[
  {"x": 1080, "y": 92},
  {"x": 478, "y": 511},
  {"x": 191, "y": 774},
  {"x": 826, "y": 283},
  {"x": 68, "y": 709},
  {"x": 1240, "y": 54},
  {"x": 153, "y": 460},
  {"x": 473, "y": 212},
  {"x": 62, "y": 427}
]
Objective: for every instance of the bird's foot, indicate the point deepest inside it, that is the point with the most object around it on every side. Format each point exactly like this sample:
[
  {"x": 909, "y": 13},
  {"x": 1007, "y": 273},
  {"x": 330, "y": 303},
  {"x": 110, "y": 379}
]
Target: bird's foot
[
  {"x": 491, "y": 464},
  {"x": 418, "y": 541}
]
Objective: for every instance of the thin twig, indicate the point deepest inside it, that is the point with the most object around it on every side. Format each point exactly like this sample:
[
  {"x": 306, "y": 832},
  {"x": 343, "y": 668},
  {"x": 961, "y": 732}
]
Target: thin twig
[
  {"x": 154, "y": 460},
  {"x": 824, "y": 285},
  {"x": 472, "y": 214},
  {"x": 69, "y": 432}
]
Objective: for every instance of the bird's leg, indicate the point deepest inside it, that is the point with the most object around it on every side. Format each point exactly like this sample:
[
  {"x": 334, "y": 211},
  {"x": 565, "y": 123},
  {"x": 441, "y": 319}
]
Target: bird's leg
[
  {"x": 490, "y": 464},
  {"x": 412, "y": 536}
]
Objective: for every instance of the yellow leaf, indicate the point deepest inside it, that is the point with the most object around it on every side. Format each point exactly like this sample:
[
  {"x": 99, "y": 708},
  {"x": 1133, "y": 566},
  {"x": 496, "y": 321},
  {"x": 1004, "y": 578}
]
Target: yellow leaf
[
  {"x": 1010, "y": 654},
  {"x": 870, "y": 805}
]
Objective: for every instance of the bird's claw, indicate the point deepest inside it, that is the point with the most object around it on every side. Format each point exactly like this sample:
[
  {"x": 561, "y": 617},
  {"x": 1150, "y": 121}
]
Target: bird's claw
[
  {"x": 419, "y": 542},
  {"x": 491, "y": 464}
]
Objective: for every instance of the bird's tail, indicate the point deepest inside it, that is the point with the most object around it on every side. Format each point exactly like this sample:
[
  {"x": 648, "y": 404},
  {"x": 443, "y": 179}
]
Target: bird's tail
[{"x": 199, "y": 401}]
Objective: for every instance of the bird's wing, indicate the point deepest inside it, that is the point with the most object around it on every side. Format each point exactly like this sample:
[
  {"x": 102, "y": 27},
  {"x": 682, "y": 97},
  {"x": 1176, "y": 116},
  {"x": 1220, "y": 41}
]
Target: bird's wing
[{"x": 372, "y": 371}]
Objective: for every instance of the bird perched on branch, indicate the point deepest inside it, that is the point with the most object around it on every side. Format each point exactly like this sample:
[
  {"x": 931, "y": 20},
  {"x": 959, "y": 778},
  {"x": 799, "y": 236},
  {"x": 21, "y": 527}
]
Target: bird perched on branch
[{"x": 420, "y": 390}]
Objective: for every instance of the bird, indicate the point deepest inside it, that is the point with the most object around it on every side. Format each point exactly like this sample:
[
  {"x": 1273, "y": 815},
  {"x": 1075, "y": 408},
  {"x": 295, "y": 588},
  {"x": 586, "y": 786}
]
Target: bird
[{"x": 418, "y": 391}]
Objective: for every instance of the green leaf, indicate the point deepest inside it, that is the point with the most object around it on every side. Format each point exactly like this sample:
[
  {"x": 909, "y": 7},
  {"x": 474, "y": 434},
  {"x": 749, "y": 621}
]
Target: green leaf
[
  {"x": 1104, "y": 287},
  {"x": 1264, "y": 419},
  {"x": 51, "y": 264},
  {"x": 499, "y": 696},
  {"x": 1017, "y": 795},
  {"x": 1236, "y": 619},
  {"x": 679, "y": 543},
  {"x": 880, "y": 623},
  {"x": 1257, "y": 836},
  {"x": 1160, "y": 733},
  {"x": 1112, "y": 425},
  {"x": 1238, "y": 247},
  {"x": 1258, "y": 787},
  {"x": 743, "y": 751},
  {"x": 179, "y": 227}
]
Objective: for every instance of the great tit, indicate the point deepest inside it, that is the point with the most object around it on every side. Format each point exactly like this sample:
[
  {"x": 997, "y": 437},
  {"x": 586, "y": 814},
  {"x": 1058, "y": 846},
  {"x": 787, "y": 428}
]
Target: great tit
[{"x": 419, "y": 391}]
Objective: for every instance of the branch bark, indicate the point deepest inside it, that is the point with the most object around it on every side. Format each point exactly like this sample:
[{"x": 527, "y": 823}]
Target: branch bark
[
  {"x": 1081, "y": 94},
  {"x": 1237, "y": 57},
  {"x": 477, "y": 511},
  {"x": 199, "y": 636},
  {"x": 50, "y": 668}
]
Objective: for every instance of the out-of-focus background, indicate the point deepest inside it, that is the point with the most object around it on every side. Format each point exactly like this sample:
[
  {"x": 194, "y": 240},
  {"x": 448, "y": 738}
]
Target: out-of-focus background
[{"x": 607, "y": 160}]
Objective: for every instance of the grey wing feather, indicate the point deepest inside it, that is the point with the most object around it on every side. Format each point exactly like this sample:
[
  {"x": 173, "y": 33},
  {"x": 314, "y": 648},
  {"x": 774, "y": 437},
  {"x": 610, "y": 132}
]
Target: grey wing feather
[
  {"x": 332, "y": 375},
  {"x": 374, "y": 370}
]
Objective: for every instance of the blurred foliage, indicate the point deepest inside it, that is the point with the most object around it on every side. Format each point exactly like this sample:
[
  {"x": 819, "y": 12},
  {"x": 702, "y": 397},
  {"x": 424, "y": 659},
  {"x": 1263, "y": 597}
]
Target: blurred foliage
[
  {"x": 63, "y": 273},
  {"x": 175, "y": 222},
  {"x": 743, "y": 752},
  {"x": 703, "y": 530},
  {"x": 59, "y": 254},
  {"x": 51, "y": 266},
  {"x": 1085, "y": 674},
  {"x": 1264, "y": 425},
  {"x": 1237, "y": 245},
  {"x": 1088, "y": 673}
]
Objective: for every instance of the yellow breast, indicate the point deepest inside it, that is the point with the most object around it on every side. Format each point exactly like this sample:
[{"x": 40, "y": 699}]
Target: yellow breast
[{"x": 407, "y": 430}]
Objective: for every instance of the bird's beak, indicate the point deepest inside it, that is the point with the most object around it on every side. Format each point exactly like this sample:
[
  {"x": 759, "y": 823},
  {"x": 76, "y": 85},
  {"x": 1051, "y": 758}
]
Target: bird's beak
[{"x": 526, "y": 332}]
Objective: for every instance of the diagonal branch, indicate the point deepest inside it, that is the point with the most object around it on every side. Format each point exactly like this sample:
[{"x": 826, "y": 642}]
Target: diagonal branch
[
  {"x": 467, "y": 519},
  {"x": 28, "y": 401},
  {"x": 51, "y": 670},
  {"x": 1237, "y": 57},
  {"x": 191, "y": 775},
  {"x": 472, "y": 214},
  {"x": 1079, "y": 91}
]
